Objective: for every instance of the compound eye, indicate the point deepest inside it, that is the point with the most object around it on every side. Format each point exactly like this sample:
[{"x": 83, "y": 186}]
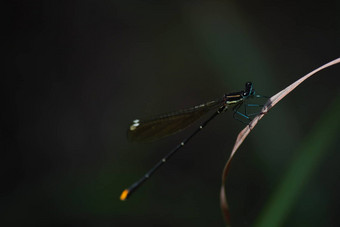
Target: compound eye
[{"x": 248, "y": 85}]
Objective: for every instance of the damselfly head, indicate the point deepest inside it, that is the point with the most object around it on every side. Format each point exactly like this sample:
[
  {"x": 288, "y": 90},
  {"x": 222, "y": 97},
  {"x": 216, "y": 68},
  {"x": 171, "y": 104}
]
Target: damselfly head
[{"x": 249, "y": 89}]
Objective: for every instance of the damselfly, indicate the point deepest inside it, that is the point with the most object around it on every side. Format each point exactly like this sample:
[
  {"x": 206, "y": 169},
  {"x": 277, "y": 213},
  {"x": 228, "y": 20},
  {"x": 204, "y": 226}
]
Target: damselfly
[{"x": 173, "y": 122}]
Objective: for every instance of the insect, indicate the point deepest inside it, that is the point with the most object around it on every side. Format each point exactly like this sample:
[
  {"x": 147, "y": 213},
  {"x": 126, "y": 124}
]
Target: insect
[{"x": 173, "y": 122}]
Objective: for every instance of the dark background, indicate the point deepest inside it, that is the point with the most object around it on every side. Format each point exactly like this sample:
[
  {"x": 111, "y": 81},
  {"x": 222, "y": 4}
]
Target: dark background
[{"x": 81, "y": 71}]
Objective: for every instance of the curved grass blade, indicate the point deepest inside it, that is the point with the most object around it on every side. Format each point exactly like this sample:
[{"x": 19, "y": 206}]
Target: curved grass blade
[
  {"x": 308, "y": 160},
  {"x": 244, "y": 133}
]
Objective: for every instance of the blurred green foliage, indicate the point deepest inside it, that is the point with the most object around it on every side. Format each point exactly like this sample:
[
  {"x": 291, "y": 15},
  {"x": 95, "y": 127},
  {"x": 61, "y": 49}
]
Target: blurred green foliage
[{"x": 81, "y": 71}]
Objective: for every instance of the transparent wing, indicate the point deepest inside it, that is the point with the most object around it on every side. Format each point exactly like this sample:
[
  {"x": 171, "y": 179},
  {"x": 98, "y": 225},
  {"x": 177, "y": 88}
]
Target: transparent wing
[{"x": 170, "y": 123}]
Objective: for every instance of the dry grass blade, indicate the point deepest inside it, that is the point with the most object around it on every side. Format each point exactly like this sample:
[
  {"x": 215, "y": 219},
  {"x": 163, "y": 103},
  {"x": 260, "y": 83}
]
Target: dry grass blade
[{"x": 244, "y": 133}]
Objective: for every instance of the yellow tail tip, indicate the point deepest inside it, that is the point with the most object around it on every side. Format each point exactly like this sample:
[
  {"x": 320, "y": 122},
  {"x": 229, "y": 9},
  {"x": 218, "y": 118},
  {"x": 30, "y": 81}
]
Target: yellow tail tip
[{"x": 124, "y": 195}]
